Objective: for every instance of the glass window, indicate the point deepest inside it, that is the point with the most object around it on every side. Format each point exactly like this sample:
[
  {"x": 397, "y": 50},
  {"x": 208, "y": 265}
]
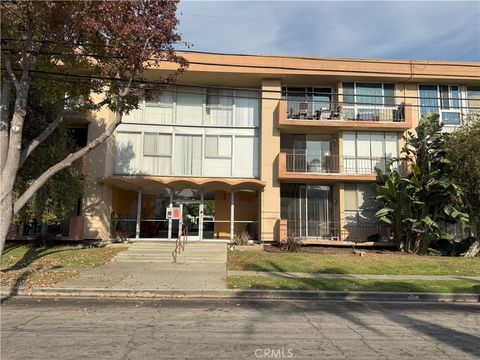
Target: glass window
[
  {"x": 247, "y": 108},
  {"x": 428, "y": 99},
  {"x": 389, "y": 93},
  {"x": 190, "y": 102},
  {"x": 451, "y": 118},
  {"x": 369, "y": 94},
  {"x": 218, "y": 146},
  {"x": 444, "y": 98},
  {"x": 348, "y": 93},
  {"x": 211, "y": 146},
  {"x": 159, "y": 99},
  {"x": 322, "y": 98},
  {"x": 219, "y": 97},
  {"x": 473, "y": 96},
  {"x": 225, "y": 146},
  {"x": 188, "y": 155},
  {"x": 157, "y": 144},
  {"x": 454, "y": 97}
]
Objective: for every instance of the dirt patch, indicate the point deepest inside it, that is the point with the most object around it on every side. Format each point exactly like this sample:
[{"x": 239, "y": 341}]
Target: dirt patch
[{"x": 331, "y": 250}]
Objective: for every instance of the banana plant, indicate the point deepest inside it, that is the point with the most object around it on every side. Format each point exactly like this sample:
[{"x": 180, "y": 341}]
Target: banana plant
[{"x": 418, "y": 201}]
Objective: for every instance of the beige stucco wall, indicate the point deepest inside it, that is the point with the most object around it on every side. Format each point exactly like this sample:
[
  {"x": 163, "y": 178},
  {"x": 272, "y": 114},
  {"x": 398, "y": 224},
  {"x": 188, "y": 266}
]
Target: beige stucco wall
[
  {"x": 269, "y": 149},
  {"x": 97, "y": 197}
]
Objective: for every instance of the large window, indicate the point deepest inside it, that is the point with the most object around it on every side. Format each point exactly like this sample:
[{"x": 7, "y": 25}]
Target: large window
[
  {"x": 369, "y": 101},
  {"x": 198, "y": 106},
  {"x": 307, "y": 102},
  {"x": 188, "y": 155},
  {"x": 218, "y": 155},
  {"x": 443, "y": 100},
  {"x": 159, "y": 107},
  {"x": 219, "y": 107},
  {"x": 218, "y": 146},
  {"x": 360, "y": 204},
  {"x": 473, "y": 97},
  {"x": 308, "y": 209},
  {"x": 128, "y": 150},
  {"x": 157, "y": 151},
  {"x": 365, "y": 151}
]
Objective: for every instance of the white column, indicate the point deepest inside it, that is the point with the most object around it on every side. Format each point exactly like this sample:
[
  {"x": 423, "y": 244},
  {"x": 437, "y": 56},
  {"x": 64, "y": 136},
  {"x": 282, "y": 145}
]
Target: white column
[
  {"x": 200, "y": 220},
  {"x": 232, "y": 215},
  {"x": 139, "y": 210},
  {"x": 170, "y": 205},
  {"x": 180, "y": 221}
]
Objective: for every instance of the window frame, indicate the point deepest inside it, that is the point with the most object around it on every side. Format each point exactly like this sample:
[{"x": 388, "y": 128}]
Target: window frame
[
  {"x": 217, "y": 156},
  {"x": 450, "y": 109},
  {"x": 356, "y": 107},
  {"x": 157, "y": 134}
]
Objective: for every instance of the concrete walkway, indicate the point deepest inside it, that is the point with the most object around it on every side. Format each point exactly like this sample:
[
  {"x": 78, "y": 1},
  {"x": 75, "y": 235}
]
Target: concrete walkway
[
  {"x": 299, "y": 275},
  {"x": 149, "y": 266}
]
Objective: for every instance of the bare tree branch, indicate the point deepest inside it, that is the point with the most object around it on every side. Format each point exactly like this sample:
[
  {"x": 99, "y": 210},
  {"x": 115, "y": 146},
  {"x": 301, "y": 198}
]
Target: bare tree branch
[
  {"x": 8, "y": 65},
  {"x": 4, "y": 120},
  {"x": 41, "y": 138},
  {"x": 66, "y": 162}
]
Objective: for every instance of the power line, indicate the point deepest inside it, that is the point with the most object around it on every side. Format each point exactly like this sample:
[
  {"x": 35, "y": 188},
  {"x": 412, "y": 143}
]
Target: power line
[
  {"x": 261, "y": 91},
  {"x": 377, "y": 61},
  {"x": 167, "y": 88}
]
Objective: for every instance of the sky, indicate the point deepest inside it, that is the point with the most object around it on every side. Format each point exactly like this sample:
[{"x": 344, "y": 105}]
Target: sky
[{"x": 434, "y": 30}]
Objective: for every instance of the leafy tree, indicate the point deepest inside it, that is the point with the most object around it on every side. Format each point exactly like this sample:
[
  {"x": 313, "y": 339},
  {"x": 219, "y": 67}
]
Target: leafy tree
[
  {"x": 463, "y": 147},
  {"x": 418, "y": 191},
  {"x": 55, "y": 200},
  {"x": 101, "y": 47}
]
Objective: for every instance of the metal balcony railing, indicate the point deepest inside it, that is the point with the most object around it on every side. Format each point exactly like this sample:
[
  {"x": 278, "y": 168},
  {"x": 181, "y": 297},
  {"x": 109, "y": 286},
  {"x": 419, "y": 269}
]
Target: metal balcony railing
[
  {"x": 336, "y": 231},
  {"x": 334, "y": 164},
  {"x": 324, "y": 111}
]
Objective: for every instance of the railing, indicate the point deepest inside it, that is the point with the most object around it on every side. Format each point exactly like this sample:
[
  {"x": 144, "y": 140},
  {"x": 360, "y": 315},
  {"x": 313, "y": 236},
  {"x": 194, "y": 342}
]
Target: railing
[
  {"x": 335, "y": 231},
  {"x": 321, "y": 164},
  {"x": 180, "y": 243},
  {"x": 311, "y": 110}
]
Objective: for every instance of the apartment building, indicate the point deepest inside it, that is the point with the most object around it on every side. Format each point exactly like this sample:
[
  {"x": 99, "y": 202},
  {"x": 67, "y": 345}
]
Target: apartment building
[{"x": 265, "y": 147}]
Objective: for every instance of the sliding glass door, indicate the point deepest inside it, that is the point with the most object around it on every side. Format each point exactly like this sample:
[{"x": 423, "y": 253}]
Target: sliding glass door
[
  {"x": 308, "y": 209},
  {"x": 311, "y": 153}
]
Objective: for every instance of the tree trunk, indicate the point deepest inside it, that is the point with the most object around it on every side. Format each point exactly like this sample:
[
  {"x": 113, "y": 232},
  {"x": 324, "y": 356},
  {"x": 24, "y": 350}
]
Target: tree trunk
[
  {"x": 10, "y": 169},
  {"x": 473, "y": 250},
  {"x": 6, "y": 216}
]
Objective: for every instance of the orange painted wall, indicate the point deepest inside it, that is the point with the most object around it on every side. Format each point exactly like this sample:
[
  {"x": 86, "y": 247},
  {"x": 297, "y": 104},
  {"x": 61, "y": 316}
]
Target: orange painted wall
[
  {"x": 124, "y": 203},
  {"x": 246, "y": 209}
]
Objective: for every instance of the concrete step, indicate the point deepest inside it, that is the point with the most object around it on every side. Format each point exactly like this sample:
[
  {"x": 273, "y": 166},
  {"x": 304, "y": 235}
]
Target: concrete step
[
  {"x": 134, "y": 252},
  {"x": 166, "y": 261},
  {"x": 144, "y": 255}
]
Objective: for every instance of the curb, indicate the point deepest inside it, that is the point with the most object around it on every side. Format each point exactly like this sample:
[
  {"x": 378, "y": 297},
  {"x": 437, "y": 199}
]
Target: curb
[{"x": 242, "y": 294}]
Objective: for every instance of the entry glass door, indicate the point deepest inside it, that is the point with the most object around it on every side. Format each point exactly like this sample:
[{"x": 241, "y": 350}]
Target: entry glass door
[
  {"x": 191, "y": 218},
  {"x": 189, "y": 200}
]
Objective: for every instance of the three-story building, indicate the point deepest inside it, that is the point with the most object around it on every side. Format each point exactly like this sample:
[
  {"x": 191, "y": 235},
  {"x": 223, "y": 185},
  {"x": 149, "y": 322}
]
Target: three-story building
[{"x": 266, "y": 147}]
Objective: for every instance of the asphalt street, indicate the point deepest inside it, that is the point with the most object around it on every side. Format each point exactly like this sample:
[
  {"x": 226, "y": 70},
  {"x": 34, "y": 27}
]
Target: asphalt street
[{"x": 44, "y": 328}]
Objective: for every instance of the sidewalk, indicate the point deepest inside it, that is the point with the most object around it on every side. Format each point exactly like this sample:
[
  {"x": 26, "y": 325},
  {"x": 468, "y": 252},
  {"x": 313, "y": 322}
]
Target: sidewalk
[
  {"x": 299, "y": 275},
  {"x": 147, "y": 266}
]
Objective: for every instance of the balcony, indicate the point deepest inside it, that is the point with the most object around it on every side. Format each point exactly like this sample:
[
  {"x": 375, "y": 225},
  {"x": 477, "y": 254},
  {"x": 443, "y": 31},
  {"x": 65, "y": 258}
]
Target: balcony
[
  {"x": 331, "y": 116},
  {"x": 292, "y": 167}
]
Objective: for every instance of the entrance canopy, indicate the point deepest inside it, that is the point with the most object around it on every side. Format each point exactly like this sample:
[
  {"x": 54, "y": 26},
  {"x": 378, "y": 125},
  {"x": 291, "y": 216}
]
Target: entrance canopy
[{"x": 156, "y": 183}]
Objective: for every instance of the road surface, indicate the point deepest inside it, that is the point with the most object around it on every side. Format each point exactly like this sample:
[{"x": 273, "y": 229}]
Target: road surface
[{"x": 212, "y": 329}]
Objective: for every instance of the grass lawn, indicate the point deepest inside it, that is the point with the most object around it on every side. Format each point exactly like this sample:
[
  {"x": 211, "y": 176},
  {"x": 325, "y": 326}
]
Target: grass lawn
[
  {"x": 348, "y": 263},
  {"x": 436, "y": 286},
  {"x": 44, "y": 266}
]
